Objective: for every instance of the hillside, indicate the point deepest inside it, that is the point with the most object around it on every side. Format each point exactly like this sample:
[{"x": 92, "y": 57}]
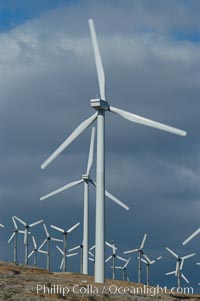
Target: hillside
[{"x": 18, "y": 282}]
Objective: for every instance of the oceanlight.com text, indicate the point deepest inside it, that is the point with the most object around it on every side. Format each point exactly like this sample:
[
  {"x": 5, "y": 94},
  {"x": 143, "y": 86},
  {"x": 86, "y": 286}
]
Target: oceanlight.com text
[{"x": 111, "y": 290}]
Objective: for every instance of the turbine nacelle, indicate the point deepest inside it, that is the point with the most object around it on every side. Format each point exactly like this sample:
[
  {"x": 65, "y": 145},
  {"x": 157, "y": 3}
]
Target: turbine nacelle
[
  {"x": 99, "y": 104},
  {"x": 86, "y": 177}
]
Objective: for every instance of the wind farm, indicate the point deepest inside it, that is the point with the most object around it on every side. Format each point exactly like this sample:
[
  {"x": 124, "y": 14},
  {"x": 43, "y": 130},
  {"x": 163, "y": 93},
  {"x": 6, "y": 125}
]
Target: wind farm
[{"x": 71, "y": 230}]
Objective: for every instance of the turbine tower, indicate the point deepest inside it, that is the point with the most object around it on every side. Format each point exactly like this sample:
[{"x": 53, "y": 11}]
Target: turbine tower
[
  {"x": 27, "y": 227},
  {"x": 102, "y": 106},
  {"x": 14, "y": 236},
  {"x": 86, "y": 180},
  {"x": 65, "y": 234},
  {"x": 140, "y": 254},
  {"x": 179, "y": 266}
]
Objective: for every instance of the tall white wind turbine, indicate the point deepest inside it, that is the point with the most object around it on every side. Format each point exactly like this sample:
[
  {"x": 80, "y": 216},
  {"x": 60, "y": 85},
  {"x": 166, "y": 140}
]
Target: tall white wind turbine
[
  {"x": 79, "y": 247},
  {"x": 65, "y": 234},
  {"x": 14, "y": 236},
  {"x": 148, "y": 263},
  {"x": 193, "y": 235},
  {"x": 34, "y": 251},
  {"x": 86, "y": 180},
  {"x": 140, "y": 254},
  {"x": 64, "y": 256},
  {"x": 179, "y": 266},
  {"x": 47, "y": 241},
  {"x": 102, "y": 106},
  {"x": 123, "y": 268},
  {"x": 27, "y": 227}
]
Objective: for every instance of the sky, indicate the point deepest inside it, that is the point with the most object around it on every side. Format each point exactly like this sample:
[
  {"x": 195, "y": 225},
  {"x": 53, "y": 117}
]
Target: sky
[{"x": 150, "y": 52}]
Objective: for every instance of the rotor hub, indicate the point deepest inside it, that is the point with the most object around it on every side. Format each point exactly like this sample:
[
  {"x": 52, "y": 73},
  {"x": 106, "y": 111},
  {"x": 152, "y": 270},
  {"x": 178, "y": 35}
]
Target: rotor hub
[{"x": 86, "y": 177}]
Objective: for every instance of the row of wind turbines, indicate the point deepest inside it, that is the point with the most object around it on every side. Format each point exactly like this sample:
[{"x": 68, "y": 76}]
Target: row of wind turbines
[
  {"x": 102, "y": 107},
  {"x": 142, "y": 256}
]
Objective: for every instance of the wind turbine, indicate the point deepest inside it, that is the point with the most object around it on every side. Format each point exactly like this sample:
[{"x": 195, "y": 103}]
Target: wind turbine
[
  {"x": 113, "y": 257},
  {"x": 123, "y": 268},
  {"x": 140, "y": 253},
  {"x": 195, "y": 233},
  {"x": 47, "y": 241},
  {"x": 14, "y": 236},
  {"x": 148, "y": 263},
  {"x": 86, "y": 180},
  {"x": 34, "y": 251},
  {"x": 64, "y": 256},
  {"x": 27, "y": 227},
  {"x": 102, "y": 106},
  {"x": 81, "y": 255},
  {"x": 65, "y": 234},
  {"x": 179, "y": 266}
]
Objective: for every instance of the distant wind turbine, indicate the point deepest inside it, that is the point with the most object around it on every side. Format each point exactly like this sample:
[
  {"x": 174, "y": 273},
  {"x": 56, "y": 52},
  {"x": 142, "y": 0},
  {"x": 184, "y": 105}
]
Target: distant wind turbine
[
  {"x": 14, "y": 236},
  {"x": 102, "y": 106}
]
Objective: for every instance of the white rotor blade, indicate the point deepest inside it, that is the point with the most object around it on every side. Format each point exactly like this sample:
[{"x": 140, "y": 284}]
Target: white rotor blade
[
  {"x": 73, "y": 249},
  {"x": 117, "y": 267},
  {"x": 91, "y": 254},
  {"x": 181, "y": 265},
  {"x": 147, "y": 122},
  {"x": 36, "y": 223},
  {"x": 91, "y": 151},
  {"x": 41, "y": 251},
  {"x": 188, "y": 256},
  {"x": 195, "y": 233},
  {"x": 46, "y": 231},
  {"x": 61, "y": 264},
  {"x": 198, "y": 263},
  {"x": 177, "y": 264},
  {"x": 59, "y": 249},
  {"x": 170, "y": 251},
  {"x": 34, "y": 242},
  {"x": 92, "y": 248},
  {"x": 56, "y": 239},
  {"x": 127, "y": 262},
  {"x": 91, "y": 259},
  {"x": 73, "y": 228},
  {"x": 143, "y": 241},
  {"x": 22, "y": 232},
  {"x": 159, "y": 258},
  {"x": 143, "y": 260},
  {"x": 57, "y": 228},
  {"x": 30, "y": 254},
  {"x": 113, "y": 198},
  {"x": 63, "y": 188},
  {"x": 111, "y": 246},
  {"x": 131, "y": 251},
  {"x": 147, "y": 258},
  {"x": 98, "y": 61},
  {"x": 170, "y": 273},
  {"x": 110, "y": 257},
  {"x": 42, "y": 244},
  {"x": 14, "y": 222},
  {"x": 2, "y": 226},
  {"x": 11, "y": 237},
  {"x": 20, "y": 220},
  {"x": 183, "y": 276},
  {"x": 70, "y": 255},
  {"x": 82, "y": 127},
  {"x": 121, "y": 258}
]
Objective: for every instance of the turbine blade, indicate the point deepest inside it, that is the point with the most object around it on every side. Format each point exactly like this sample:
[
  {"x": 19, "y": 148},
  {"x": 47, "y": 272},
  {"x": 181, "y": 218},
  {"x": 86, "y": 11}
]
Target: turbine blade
[
  {"x": 36, "y": 223},
  {"x": 172, "y": 252},
  {"x": 159, "y": 258},
  {"x": 11, "y": 237},
  {"x": 61, "y": 264},
  {"x": 127, "y": 262},
  {"x": 42, "y": 244},
  {"x": 59, "y": 249},
  {"x": 34, "y": 242},
  {"x": 70, "y": 255},
  {"x": 188, "y": 256},
  {"x": 182, "y": 262},
  {"x": 111, "y": 246},
  {"x": 92, "y": 248},
  {"x": 56, "y": 239},
  {"x": 143, "y": 260},
  {"x": 177, "y": 264},
  {"x": 2, "y": 226},
  {"x": 91, "y": 259},
  {"x": 121, "y": 258},
  {"x": 30, "y": 254},
  {"x": 183, "y": 276},
  {"x": 147, "y": 258},
  {"x": 20, "y": 220},
  {"x": 110, "y": 257},
  {"x": 91, "y": 254},
  {"x": 41, "y": 251},
  {"x": 81, "y": 128},
  {"x": 170, "y": 273},
  {"x": 98, "y": 61},
  {"x": 195, "y": 233},
  {"x": 113, "y": 198},
  {"x": 143, "y": 241},
  {"x": 73, "y": 228},
  {"x": 63, "y": 188},
  {"x": 57, "y": 228},
  {"x": 73, "y": 249},
  {"x": 131, "y": 251},
  {"x": 147, "y": 122},
  {"x": 14, "y": 222},
  {"x": 46, "y": 231}
]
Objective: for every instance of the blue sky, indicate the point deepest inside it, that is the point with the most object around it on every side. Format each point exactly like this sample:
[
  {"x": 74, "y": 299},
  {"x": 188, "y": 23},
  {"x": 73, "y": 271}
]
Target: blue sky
[{"x": 150, "y": 51}]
